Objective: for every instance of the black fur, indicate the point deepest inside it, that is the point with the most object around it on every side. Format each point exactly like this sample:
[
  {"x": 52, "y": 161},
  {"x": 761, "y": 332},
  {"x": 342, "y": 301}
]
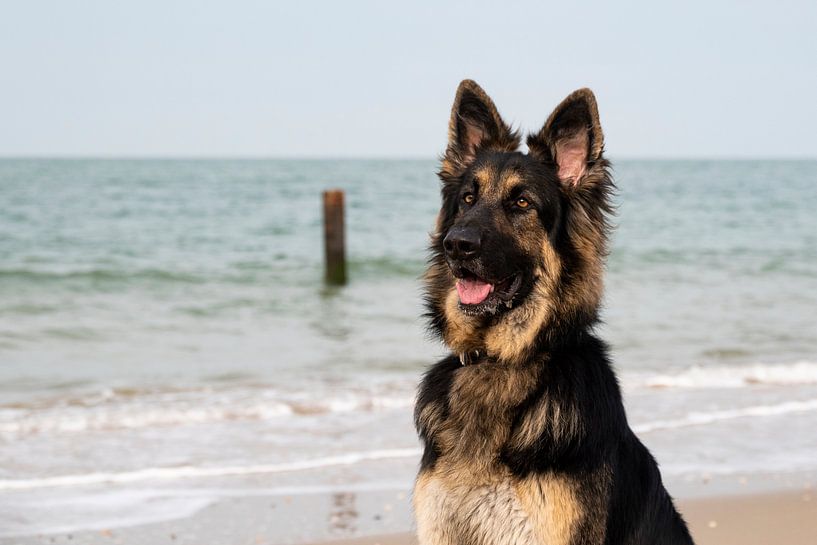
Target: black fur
[
  {"x": 588, "y": 436},
  {"x": 437, "y": 382},
  {"x": 578, "y": 376}
]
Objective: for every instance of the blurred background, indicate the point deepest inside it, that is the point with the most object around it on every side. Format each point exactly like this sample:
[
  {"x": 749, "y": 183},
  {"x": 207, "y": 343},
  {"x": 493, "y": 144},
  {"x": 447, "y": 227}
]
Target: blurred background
[{"x": 167, "y": 343}]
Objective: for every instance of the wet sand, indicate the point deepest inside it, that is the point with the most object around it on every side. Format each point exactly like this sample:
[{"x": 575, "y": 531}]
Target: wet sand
[
  {"x": 741, "y": 514},
  {"x": 783, "y": 518}
]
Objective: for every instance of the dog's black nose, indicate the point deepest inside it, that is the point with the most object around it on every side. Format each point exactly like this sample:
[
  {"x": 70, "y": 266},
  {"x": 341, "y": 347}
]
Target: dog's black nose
[{"x": 462, "y": 242}]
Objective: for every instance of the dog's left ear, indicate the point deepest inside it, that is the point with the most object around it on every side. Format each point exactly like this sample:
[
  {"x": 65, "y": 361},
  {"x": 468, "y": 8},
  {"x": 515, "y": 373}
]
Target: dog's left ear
[{"x": 571, "y": 137}]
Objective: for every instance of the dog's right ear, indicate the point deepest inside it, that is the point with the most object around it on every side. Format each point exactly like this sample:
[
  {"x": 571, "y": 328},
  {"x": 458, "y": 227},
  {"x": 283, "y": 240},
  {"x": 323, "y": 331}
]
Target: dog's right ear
[{"x": 475, "y": 124}]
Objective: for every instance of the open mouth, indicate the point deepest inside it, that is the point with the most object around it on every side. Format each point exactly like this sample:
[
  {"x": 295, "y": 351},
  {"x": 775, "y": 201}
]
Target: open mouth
[{"x": 478, "y": 294}]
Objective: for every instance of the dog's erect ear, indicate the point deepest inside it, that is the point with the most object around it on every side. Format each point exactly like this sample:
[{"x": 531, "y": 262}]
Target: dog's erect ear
[
  {"x": 475, "y": 123},
  {"x": 571, "y": 137}
]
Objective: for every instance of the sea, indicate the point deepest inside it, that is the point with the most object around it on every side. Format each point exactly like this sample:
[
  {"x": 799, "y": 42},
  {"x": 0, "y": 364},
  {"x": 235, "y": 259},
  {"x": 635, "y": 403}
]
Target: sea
[{"x": 166, "y": 337}]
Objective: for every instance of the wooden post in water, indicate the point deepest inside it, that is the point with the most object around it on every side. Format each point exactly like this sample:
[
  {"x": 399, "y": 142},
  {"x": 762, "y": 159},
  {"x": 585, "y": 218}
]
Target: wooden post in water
[{"x": 333, "y": 237}]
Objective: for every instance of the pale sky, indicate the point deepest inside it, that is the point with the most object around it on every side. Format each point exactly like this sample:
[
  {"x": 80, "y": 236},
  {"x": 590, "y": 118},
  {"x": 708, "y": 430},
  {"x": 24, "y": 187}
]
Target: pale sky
[{"x": 376, "y": 79}]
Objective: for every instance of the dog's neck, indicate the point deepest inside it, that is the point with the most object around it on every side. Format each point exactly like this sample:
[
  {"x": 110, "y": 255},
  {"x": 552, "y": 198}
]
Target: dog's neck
[
  {"x": 547, "y": 341},
  {"x": 472, "y": 357}
]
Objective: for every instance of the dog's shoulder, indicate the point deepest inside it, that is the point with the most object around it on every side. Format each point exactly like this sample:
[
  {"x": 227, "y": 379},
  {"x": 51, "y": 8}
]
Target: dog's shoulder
[
  {"x": 431, "y": 407},
  {"x": 575, "y": 416},
  {"x": 436, "y": 382}
]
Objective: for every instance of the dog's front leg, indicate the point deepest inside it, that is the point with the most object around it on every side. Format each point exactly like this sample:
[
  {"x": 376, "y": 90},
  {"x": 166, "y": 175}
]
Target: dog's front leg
[
  {"x": 559, "y": 513},
  {"x": 435, "y": 523}
]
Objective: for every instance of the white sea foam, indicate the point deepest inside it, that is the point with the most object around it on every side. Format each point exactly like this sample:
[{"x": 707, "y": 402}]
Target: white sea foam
[
  {"x": 186, "y": 472},
  {"x": 113, "y": 412},
  {"x": 131, "y": 416},
  {"x": 703, "y": 418},
  {"x": 699, "y": 418},
  {"x": 736, "y": 376}
]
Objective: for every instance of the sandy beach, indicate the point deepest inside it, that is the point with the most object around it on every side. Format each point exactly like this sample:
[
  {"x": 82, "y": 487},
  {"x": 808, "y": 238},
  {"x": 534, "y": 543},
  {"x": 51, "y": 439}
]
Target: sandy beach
[
  {"x": 773, "y": 509},
  {"x": 763, "y": 519},
  {"x": 165, "y": 388}
]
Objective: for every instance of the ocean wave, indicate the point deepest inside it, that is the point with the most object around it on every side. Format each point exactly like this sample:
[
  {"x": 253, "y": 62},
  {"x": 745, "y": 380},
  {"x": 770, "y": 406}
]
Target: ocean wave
[
  {"x": 66, "y": 411},
  {"x": 123, "y": 409},
  {"x": 712, "y": 417},
  {"x": 387, "y": 267},
  {"x": 731, "y": 376},
  {"x": 289, "y": 268},
  {"x": 691, "y": 419},
  {"x": 34, "y": 276},
  {"x": 187, "y": 472},
  {"x": 698, "y": 418},
  {"x": 74, "y": 420}
]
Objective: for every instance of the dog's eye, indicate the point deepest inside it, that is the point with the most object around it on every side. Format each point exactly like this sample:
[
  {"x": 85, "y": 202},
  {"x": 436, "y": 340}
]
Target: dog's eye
[
  {"x": 468, "y": 198},
  {"x": 522, "y": 203}
]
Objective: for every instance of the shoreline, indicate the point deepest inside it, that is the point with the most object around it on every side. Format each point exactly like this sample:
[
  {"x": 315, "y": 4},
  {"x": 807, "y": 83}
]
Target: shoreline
[
  {"x": 746, "y": 509},
  {"x": 780, "y": 518}
]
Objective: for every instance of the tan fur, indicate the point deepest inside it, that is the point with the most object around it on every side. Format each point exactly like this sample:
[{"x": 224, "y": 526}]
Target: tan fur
[
  {"x": 496, "y": 185},
  {"x": 478, "y": 420},
  {"x": 590, "y": 240},
  {"x": 545, "y": 415},
  {"x": 509, "y": 339},
  {"x": 462, "y": 331},
  {"x": 509, "y": 179},
  {"x": 514, "y": 335},
  {"x": 469, "y": 497},
  {"x": 479, "y": 402},
  {"x": 553, "y": 507},
  {"x": 458, "y": 505},
  {"x": 462, "y": 507},
  {"x": 485, "y": 176}
]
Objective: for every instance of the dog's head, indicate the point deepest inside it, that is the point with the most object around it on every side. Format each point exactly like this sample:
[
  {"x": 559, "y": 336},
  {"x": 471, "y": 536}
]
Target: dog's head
[{"x": 518, "y": 250}]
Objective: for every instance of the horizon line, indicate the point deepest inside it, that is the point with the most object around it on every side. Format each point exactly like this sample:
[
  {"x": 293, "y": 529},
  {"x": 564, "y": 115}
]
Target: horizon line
[{"x": 295, "y": 157}]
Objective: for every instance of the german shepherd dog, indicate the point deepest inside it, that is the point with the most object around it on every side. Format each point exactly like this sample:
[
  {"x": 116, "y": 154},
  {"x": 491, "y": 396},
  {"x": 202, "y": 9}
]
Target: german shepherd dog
[{"x": 526, "y": 440}]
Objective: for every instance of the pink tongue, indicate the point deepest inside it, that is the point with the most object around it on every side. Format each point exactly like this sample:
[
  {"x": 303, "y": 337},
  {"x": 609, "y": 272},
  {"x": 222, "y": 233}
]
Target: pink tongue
[{"x": 472, "y": 292}]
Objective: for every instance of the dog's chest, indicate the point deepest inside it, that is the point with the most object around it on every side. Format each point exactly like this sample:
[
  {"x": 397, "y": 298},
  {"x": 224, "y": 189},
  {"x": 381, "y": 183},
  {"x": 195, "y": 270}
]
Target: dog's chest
[
  {"x": 478, "y": 416},
  {"x": 468, "y": 496},
  {"x": 479, "y": 513},
  {"x": 455, "y": 504}
]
